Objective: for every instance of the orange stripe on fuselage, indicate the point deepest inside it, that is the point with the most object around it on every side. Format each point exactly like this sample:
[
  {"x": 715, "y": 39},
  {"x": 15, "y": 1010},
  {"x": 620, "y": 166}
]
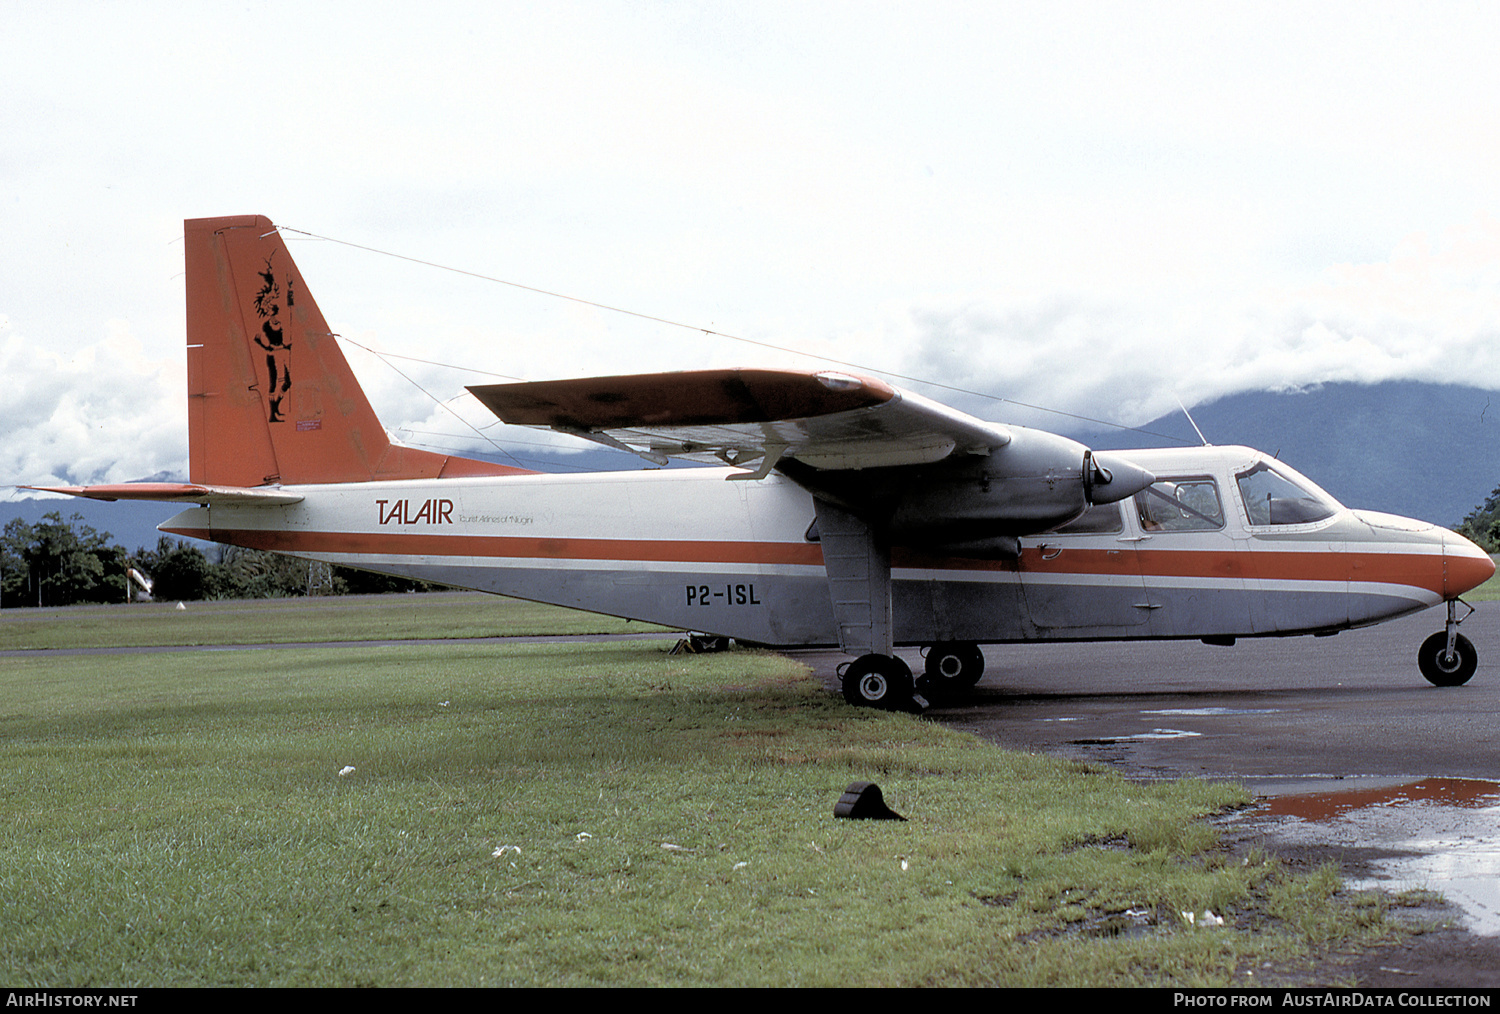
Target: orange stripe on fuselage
[
  {"x": 514, "y": 547},
  {"x": 1421, "y": 570},
  {"x": 1424, "y": 571}
]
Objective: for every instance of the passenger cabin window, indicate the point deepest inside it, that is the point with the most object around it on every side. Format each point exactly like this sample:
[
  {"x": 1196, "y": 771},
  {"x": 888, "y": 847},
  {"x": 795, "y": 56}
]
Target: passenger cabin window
[
  {"x": 1180, "y": 505},
  {"x": 1101, "y": 519},
  {"x": 1275, "y": 498}
]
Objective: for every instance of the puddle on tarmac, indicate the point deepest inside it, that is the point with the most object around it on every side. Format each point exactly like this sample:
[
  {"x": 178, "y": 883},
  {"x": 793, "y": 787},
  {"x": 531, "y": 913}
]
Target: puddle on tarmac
[
  {"x": 1161, "y": 734},
  {"x": 1212, "y": 712},
  {"x": 1451, "y": 827},
  {"x": 1153, "y": 734}
]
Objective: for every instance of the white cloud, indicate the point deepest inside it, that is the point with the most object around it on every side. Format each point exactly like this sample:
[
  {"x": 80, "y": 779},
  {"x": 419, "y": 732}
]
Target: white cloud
[
  {"x": 1085, "y": 206},
  {"x": 1431, "y": 312},
  {"x": 107, "y": 413}
]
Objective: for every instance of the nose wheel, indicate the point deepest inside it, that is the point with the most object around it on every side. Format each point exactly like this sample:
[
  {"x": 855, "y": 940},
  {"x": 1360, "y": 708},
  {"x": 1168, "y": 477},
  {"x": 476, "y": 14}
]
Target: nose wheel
[
  {"x": 1448, "y": 658},
  {"x": 1443, "y": 668}
]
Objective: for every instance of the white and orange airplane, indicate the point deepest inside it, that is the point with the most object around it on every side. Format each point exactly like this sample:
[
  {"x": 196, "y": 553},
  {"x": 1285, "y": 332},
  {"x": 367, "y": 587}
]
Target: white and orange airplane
[{"x": 854, "y": 513}]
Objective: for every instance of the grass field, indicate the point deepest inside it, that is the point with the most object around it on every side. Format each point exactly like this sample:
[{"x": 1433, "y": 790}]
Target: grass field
[
  {"x": 575, "y": 814},
  {"x": 292, "y": 620}
]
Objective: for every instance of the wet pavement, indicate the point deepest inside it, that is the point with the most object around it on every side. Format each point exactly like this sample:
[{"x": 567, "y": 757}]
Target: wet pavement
[
  {"x": 1441, "y": 835},
  {"x": 1347, "y": 745}
]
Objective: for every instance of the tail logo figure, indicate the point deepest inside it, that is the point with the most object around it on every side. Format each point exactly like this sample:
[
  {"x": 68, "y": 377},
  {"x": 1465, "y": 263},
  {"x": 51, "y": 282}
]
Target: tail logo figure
[{"x": 273, "y": 339}]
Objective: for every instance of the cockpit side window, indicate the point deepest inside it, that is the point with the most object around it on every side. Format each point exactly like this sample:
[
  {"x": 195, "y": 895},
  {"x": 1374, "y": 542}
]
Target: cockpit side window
[
  {"x": 1274, "y": 498},
  {"x": 1180, "y": 505}
]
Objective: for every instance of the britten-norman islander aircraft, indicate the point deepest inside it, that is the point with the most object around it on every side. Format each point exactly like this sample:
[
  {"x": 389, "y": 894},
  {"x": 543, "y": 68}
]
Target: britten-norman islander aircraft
[{"x": 845, "y": 511}]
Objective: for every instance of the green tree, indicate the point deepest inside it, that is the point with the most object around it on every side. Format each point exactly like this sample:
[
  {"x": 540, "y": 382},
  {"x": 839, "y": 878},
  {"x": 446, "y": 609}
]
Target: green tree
[
  {"x": 178, "y": 571},
  {"x": 15, "y": 577},
  {"x": 257, "y": 574},
  {"x": 59, "y": 563},
  {"x": 1482, "y": 524}
]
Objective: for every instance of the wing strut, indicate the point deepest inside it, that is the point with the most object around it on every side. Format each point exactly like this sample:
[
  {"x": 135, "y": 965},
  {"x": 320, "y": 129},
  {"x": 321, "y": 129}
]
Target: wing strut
[{"x": 768, "y": 460}]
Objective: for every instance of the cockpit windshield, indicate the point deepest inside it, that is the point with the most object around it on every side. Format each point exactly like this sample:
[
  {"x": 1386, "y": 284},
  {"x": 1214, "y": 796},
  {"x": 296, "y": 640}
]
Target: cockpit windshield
[{"x": 1276, "y": 495}]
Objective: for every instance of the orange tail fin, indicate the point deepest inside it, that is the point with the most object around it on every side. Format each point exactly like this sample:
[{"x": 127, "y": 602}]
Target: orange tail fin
[{"x": 271, "y": 398}]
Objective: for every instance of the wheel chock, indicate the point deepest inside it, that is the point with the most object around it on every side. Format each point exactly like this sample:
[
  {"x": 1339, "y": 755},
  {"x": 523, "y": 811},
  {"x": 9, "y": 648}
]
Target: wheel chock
[{"x": 863, "y": 801}]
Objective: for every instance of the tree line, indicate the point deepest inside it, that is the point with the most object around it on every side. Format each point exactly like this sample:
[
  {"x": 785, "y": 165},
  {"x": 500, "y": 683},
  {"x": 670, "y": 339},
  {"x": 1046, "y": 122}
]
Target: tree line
[
  {"x": 63, "y": 562},
  {"x": 1482, "y": 524}
]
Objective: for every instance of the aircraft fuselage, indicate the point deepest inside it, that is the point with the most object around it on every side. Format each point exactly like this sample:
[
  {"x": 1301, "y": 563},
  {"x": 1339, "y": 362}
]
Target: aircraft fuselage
[{"x": 687, "y": 549}]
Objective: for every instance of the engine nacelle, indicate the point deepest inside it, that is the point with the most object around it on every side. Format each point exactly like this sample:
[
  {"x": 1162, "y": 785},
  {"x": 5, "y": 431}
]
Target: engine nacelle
[
  {"x": 978, "y": 505},
  {"x": 1035, "y": 483}
]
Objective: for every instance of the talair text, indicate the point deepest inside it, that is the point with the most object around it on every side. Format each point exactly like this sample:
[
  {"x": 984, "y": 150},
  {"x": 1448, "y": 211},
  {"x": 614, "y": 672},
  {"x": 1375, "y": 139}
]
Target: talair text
[{"x": 431, "y": 512}]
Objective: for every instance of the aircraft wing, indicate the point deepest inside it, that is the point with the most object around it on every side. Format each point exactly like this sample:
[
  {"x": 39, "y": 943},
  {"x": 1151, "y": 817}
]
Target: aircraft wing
[
  {"x": 824, "y": 419},
  {"x": 179, "y": 492}
]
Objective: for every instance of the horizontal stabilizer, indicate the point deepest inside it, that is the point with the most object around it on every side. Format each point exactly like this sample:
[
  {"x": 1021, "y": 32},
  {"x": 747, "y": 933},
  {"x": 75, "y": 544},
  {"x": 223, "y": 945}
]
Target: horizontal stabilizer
[{"x": 179, "y": 492}]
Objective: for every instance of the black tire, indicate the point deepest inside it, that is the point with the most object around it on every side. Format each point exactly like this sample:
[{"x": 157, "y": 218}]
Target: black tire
[
  {"x": 953, "y": 666},
  {"x": 1441, "y": 671},
  {"x": 879, "y": 681}
]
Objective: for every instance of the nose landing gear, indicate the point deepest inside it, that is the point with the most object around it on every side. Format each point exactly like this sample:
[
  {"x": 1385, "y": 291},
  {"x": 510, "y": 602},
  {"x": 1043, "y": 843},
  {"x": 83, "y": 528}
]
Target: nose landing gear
[{"x": 1448, "y": 658}]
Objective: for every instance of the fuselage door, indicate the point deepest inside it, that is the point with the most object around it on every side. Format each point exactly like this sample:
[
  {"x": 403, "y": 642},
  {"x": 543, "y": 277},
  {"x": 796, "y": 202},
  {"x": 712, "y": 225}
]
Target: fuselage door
[
  {"x": 1084, "y": 580},
  {"x": 1193, "y": 557}
]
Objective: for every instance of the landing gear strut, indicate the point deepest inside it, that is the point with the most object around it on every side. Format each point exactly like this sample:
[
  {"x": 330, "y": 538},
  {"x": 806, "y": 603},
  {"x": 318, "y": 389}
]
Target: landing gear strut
[
  {"x": 1448, "y": 658},
  {"x": 858, "y": 563}
]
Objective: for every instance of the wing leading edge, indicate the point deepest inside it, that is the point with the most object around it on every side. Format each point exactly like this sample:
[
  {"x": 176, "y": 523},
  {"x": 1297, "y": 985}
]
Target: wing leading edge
[{"x": 824, "y": 419}]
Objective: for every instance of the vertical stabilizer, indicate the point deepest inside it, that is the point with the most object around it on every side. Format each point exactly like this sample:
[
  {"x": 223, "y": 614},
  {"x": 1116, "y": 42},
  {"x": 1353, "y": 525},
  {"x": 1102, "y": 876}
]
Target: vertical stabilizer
[{"x": 271, "y": 398}]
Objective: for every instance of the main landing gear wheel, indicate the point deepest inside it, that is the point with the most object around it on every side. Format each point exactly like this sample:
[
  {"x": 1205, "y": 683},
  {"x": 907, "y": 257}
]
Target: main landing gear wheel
[
  {"x": 879, "y": 681},
  {"x": 952, "y": 667},
  {"x": 1442, "y": 669}
]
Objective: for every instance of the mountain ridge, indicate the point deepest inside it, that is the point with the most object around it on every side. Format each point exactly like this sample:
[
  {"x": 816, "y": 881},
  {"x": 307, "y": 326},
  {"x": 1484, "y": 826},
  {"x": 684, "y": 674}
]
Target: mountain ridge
[{"x": 1428, "y": 451}]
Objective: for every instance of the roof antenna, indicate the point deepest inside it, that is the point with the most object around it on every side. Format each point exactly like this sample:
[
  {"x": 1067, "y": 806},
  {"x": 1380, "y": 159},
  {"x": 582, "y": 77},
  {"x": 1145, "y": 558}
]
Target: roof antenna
[{"x": 1190, "y": 420}]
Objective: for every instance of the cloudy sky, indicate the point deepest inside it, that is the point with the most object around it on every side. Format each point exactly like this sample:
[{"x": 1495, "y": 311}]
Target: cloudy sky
[{"x": 1096, "y": 207}]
